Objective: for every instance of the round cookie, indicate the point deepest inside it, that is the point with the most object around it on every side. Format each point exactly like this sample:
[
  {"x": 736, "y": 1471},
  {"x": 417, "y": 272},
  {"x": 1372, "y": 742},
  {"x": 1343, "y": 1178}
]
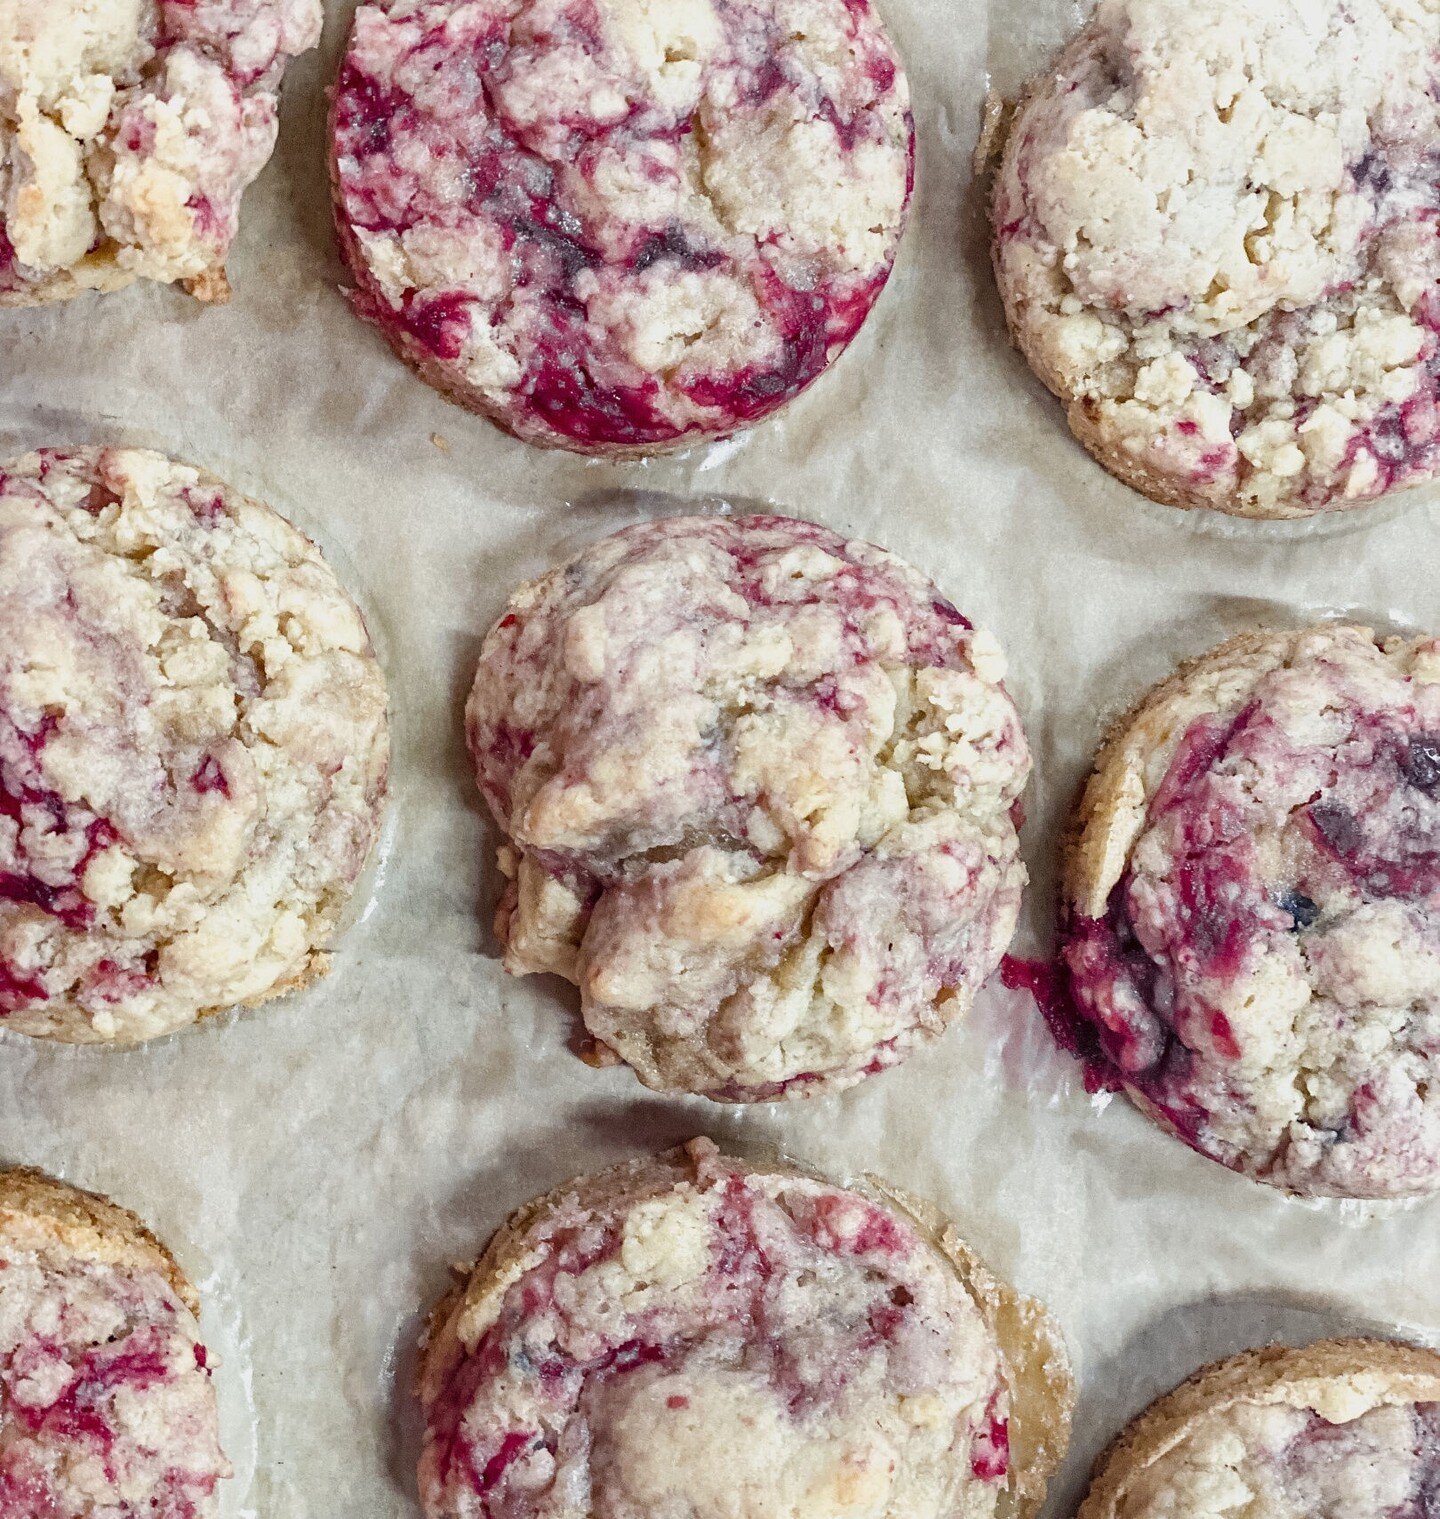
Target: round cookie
[
  {"x": 760, "y": 786},
  {"x": 1252, "y": 909},
  {"x": 1345, "y": 1428},
  {"x": 129, "y": 130},
  {"x": 106, "y": 1403},
  {"x": 692, "y": 1336},
  {"x": 1215, "y": 240},
  {"x": 193, "y": 748},
  {"x": 616, "y": 226}
]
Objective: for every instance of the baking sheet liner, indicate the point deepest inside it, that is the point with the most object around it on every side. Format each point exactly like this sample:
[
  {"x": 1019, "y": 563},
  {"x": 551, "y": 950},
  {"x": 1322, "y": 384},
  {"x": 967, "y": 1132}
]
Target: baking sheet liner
[{"x": 318, "y": 1163}]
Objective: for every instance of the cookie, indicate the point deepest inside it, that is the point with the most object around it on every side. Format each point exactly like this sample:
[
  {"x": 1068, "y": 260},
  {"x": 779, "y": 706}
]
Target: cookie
[
  {"x": 193, "y": 748},
  {"x": 1252, "y": 906},
  {"x": 759, "y": 785},
  {"x": 129, "y": 130},
  {"x": 692, "y": 1335},
  {"x": 1215, "y": 240},
  {"x": 106, "y": 1403},
  {"x": 1345, "y": 1428},
  {"x": 615, "y": 226}
]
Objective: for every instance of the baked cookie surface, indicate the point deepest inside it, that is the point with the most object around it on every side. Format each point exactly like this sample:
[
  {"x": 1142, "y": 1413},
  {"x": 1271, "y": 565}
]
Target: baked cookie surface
[
  {"x": 1345, "y": 1428},
  {"x": 616, "y": 226},
  {"x": 129, "y": 129},
  {"x": 1215, "y": 239},
  {"x": 106, "y": 1403},
  {"x": 1251, "y": 902},
  {"x": 691, "y": 1336},
  {"x": 758, "y": 785},
  {"x": 193, "y": 747}
]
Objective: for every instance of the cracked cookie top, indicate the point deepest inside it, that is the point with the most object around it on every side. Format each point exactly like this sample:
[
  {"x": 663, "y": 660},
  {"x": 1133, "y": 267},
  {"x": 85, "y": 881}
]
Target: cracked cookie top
[
  {"x": 693, "y": 1337},
  {"x": 620, "y": 225},
  {"x": 1345, "y": 1428},
  {"x": 1216, "y": 236},
  {"x": 106, "y": 1402},
  {"x": 192, "y": 747},
  {"x": 758, "y": 784},
  {"x": 1253, "y": 909},
  {"x": 129, "y": 130}
]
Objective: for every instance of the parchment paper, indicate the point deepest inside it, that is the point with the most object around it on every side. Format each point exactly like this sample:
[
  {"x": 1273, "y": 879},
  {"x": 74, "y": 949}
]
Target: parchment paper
[{"x": 317, "y": 1163}]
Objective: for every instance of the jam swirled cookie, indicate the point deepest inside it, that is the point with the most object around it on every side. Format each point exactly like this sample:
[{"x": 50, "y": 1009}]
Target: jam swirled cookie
[
  {"x": 616, "y": 226},
  {"x": 193, "y": 748},
  {"x": 760, "y": 787},
  {"x": 129, "y": 130},
  {"x": 106, "y": 1402},
  {"x": 692, "y": 1336},
  {"x": 1345, "y": 1428},
  {"x": 1252, "y": 909},
  {"x": 1215, "y": 239}
]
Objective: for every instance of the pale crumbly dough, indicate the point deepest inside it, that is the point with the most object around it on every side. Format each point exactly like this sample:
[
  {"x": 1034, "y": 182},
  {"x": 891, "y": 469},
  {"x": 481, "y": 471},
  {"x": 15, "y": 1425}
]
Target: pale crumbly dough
[
  {"x": 129, "y": 130},
  {"x": 1215, "y": 239},
  {"x": 632, "y": 225},
  {"x": 1252, "y": 909},
  {"x": 193, "y": 747},
  {"x": 691, "y": 1337},
  {"x": 1345, "y": 1428},
  {"x": 106, "y": 1402},
  {"x": 758, "y": 783}
]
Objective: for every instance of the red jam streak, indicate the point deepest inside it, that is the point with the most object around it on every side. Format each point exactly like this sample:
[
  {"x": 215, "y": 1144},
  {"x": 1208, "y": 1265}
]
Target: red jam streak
[{"x": 1049, "y": 985}]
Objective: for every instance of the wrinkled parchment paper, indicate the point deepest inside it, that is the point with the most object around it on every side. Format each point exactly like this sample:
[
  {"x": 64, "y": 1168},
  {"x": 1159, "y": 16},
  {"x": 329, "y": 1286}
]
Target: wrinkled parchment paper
[{"x": 318, "y": 1163}]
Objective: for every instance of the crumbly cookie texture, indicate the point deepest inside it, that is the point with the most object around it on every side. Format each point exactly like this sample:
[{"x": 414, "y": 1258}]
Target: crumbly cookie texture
[
  {"x": 758, "y": 783},
  {"x": 106, "y": 1403},
  {"x": 1345, "y": 1428},
  {"x": 617, "y": 226},
  {"x": 700, "y": 1339},
  {"x": 1252, "y": 903},
  {"x": 129, "y": 130},
  {"x": 193, "y": 747},
  {"x": 1215, "y": 238}
]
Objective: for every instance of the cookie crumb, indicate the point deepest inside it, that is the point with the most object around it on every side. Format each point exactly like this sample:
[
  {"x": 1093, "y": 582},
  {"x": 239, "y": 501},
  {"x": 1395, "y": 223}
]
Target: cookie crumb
[
  {"x": 994, "y": 118},
  {"x": 599, "y": 1057}
]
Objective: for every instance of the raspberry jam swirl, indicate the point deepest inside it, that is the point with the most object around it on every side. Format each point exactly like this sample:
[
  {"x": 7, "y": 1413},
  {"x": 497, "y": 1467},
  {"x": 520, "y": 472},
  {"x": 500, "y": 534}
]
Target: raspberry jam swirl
[
  {"x": 1260, "y": 957},
  {"x": 192, "y": 747},
  {"x": 1216, "y": 235},
  {"x": 1292, "y": 1463},
  {"x": 106, "y": 1403},
  {"x": 760, "y": 785},
  {"x": 613, "y": 226},
  {"x": 692, "y": 1336}
]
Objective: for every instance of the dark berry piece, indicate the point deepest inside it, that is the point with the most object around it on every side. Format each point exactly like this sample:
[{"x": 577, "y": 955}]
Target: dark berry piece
[
  {"x": 1421, "y": 762},
  {"x": 1302, "y": 910}
]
